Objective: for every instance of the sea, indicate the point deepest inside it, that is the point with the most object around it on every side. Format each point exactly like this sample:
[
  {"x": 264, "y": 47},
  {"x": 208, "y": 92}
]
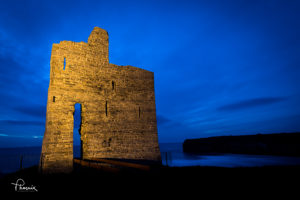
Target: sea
[{"x": 13, "y": 159}]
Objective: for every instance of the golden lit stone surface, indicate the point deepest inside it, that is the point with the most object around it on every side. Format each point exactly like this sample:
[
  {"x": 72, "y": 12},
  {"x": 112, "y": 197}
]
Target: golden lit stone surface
[{"x": 118, "y": 106}]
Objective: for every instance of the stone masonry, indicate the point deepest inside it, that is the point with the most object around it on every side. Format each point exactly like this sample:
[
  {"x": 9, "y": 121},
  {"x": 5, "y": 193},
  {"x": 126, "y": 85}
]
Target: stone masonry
[{"x": 118, "y": 118}]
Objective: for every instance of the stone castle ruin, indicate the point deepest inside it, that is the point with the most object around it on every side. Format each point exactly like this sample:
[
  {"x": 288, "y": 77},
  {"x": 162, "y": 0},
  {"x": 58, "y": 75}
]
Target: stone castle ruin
[{"x": 118, "y": 118}]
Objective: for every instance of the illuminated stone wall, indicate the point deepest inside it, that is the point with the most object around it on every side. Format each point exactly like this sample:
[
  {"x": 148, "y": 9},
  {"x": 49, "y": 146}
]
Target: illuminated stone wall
[{"x": 118, "y": 106}]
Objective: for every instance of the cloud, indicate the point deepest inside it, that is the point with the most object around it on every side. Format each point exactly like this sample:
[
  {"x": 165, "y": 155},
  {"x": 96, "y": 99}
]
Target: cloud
[
  {"x": 21, "y": 82},
  {"x": 37, "y": 137},
  {"x": 32, "y": 110},
  {"x": 22, "y": 123},
  {"x": 161, "y": 120},
  {"x": 251, "y": 103}
]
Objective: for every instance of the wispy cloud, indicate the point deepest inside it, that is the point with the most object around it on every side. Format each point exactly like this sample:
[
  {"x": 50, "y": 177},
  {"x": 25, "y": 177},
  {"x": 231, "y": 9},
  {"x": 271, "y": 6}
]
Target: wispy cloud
[
  {"x": 251, "y": 103},
  {"x": 37, "y": 137},
  {"x": 14, "y": 136},
  {"x": 32, "y": 110},
  {"x": 162, "y": 120},
  {"x": 22, "y": 123},
  {"x": 21, "y": 136}
]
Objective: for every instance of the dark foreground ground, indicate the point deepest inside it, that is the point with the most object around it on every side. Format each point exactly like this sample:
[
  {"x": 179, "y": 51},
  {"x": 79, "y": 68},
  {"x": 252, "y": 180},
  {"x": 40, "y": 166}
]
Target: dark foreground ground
[{"x": 186, "y": 180}]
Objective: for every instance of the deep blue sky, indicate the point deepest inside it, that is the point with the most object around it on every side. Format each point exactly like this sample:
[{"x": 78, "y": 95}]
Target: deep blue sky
[{"x": 221, "y": 67}]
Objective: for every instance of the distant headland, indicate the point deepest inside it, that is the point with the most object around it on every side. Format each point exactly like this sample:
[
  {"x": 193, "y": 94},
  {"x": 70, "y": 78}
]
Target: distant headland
[{"x": 283, "y": 144}]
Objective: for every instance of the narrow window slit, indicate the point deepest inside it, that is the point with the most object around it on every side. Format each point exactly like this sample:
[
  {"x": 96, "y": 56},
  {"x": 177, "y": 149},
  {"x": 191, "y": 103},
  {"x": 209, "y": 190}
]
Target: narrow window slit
[
  {"x": 106, "y": 108},
  {"x": 139, "y": 112},
  {"x": 64, "y": 63},
  {"x": 53, "y": 98},
  {"x": 113, "y": 85}
]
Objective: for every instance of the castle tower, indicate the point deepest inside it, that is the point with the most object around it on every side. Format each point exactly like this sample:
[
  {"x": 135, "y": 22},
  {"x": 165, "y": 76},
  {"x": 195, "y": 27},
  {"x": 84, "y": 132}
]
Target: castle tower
[{"x": 118, "y": 118}]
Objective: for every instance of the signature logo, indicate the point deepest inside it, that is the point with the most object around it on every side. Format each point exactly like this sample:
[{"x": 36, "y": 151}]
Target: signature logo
[{"x": 20, "y": 186}]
